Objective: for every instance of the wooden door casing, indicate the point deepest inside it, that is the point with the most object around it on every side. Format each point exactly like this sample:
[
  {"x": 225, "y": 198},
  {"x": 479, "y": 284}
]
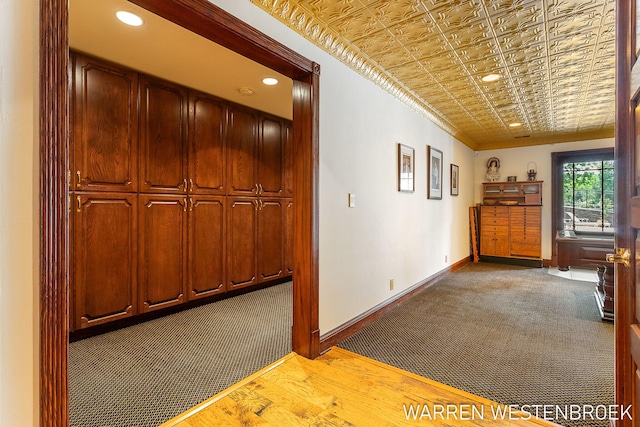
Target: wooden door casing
[
  {"x": 104, "y": 126},
  {"x": 163, "y": 121},
  {"x": 627, "y": 212},
  {"x": 207, "y": 123},
  {"x": 105, "y": 253},
  {"x": 207, "y": 246},
  {"x": 162, "y": 251}
]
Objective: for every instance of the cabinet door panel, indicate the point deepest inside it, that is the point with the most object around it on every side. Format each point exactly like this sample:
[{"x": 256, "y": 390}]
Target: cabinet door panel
[
  {"x": 270, "y": 156},
  {"x": 104, "y": 286},
  {"x": 242, "y": 151},
  {"x": 270, "y": 239},
  {"x": 288, "y": 160},
  {"x": 162, "y": 132},
  {"x": 104, "y": 135},
  {"x": 207, "y": 117},
  {"x": 288, "y": 237},
  {"x": 206, "y": 246},
  {"x": 241, "y": 242},
  {"x": 162, "y": 248}
]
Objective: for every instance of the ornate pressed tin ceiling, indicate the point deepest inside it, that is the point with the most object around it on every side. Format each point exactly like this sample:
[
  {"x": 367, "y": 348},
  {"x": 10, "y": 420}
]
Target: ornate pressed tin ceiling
[{"x": 556, "y": 59}]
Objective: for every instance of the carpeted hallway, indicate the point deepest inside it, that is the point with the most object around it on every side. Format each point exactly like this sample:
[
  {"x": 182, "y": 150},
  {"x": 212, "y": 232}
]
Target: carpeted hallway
[{"x": 510, "y": 334}]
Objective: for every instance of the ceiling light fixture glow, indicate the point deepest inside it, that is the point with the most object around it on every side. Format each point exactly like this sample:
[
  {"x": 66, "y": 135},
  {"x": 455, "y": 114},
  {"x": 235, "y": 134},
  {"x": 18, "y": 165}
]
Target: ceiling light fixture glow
[
  {"x": 270, "y": 81},
  {"x": 491, "y": 78},
  {"x": 515, "y": 125},
  {"x": 129, "y": 18}
]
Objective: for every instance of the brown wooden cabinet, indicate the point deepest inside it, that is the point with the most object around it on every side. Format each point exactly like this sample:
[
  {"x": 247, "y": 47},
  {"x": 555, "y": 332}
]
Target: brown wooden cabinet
[
  {"x": 207, "y": 246},
  {"x": 511, "y": 231},
  {"x": 207, "y": 120},
  {"x": 494, "y": 234},
  {"x": 255, "y": 144},
  {"x": 525, "y": 229},
  {"x": 270, "y": 238},
  {"x": 155, "y": 178},
  {"x": 255, "y": 240},
  {"x": 511, "y": 220},
  {"x": 162, "y": 251},
  {"x": 104, "y": 258},
  {"x": 104, "y": 126},
  {"x": 163, "y": 122},
  {"x": 241, "y": 241}
]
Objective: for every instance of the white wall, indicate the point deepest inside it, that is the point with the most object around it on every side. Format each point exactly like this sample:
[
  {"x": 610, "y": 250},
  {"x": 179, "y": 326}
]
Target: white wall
[
  {"x": 388, "y": 234},
  {"x": 19, "y": 177},
  {"x": 515, "y": 161}
]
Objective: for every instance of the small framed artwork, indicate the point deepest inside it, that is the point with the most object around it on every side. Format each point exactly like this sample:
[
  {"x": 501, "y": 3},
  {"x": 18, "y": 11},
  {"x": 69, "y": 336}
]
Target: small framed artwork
[
  {"x": 406, "y": 165},
  {"x": 455, "y": 180},
  {"x": 434, "y": 173}
]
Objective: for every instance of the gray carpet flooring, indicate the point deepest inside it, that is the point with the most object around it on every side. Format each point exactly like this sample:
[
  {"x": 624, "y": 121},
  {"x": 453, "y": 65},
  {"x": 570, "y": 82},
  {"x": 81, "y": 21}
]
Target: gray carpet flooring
[
  {"x": 145, "y": 374},
  {"x": 510, "y": 334}
]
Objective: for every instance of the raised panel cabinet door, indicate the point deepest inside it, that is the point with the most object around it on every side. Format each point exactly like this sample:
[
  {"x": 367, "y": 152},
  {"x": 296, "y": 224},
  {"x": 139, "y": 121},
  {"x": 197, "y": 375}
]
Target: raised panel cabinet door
[
  {"x": 270, "y": 239},
  {"x": 288, "y": 159},
  {"x": 207, "y": 257},
  {"x": 288, "y": 237},
  {"x": 163, "y": 121},
  {"x": 104, "y": 264},
  {"x": 241, "y": 242},
  {"x": 242, "y": 152},
  {"x": 207, "y": 122},
  {"x": 162, "y": 251},
  {"x": 104, "y": 126},
  {"x": 270, "y": 157}
]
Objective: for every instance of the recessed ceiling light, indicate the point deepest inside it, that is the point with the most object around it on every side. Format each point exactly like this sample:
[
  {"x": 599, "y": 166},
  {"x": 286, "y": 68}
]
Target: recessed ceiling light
[
  {"x": 245, "y": 91},
  {"x": 129, "y": 18},
  {"x": 491, "y": 78},
  {"x": 270, "y": 81},
  {"x": 515, "y": 125}
]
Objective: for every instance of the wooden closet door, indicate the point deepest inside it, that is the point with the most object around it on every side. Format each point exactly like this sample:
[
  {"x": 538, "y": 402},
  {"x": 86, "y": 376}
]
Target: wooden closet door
[
  {"x": 162, "y": 251},
  {"x": 207, "y": 122},
  {"x": 163, "y": 121},
  {"x": 207, "y": 256},
  {"x": 104, "y": 264},
  {"x": 242, "y": 151},
  {"x": 104, "y": 128},
  {"x": 270, "y": 239},
  {"x": 270, "y": 157},
  {"x": 241, "y": 242}
]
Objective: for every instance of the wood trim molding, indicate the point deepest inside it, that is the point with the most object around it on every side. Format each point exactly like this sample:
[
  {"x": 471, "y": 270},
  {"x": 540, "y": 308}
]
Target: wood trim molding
[
  {"x": 349, "y": 328},
  {"x": 217, "y": 25},
  {"x": 53, "y": 213}
]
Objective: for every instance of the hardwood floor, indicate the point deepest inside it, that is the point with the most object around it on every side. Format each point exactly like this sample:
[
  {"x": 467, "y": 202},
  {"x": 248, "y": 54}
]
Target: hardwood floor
[{"x": 341, "y": 388}]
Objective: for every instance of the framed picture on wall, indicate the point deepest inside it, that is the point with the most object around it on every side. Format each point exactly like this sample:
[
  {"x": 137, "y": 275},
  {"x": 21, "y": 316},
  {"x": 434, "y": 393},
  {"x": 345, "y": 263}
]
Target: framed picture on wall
[
  {"x": 434, "y": 173},
  {"x": 455, "y": 180},
  {"x": 406, "y": 165}
]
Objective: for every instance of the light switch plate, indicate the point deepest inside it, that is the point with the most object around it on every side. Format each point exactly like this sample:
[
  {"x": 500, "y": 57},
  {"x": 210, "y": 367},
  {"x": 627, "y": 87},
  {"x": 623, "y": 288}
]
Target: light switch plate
[{"x": 352, "y": 200}]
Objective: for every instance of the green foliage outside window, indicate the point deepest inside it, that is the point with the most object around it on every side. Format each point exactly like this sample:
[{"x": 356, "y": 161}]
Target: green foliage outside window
[{"x": 588, "y": 196}]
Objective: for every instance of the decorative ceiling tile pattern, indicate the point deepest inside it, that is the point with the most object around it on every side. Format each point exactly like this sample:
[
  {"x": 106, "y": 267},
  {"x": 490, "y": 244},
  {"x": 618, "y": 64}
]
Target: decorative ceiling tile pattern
[{"x": 556, "y": 58}]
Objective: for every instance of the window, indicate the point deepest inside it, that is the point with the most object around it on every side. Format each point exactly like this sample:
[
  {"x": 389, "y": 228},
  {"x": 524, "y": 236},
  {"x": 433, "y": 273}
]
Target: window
[
  {"x": 588, "y": 196},
  {"x": 583, "y": 193}
]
